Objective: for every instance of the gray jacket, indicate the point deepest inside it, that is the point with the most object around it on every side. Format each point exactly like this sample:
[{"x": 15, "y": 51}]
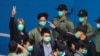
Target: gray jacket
[{"x": 77, "y": 53}]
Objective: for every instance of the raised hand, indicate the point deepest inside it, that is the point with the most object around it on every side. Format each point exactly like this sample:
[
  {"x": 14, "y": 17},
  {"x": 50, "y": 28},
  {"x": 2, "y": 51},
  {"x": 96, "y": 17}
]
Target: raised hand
[
  {"x": 52, "y": 25},
  {"x": 13, "y": 11}
]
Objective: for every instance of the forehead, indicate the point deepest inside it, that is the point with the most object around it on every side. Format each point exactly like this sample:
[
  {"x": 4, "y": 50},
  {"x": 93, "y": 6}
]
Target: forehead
[
  {"x": 42, "y": 18},
  {"x": 20, "y": 22},
  {"x": 79, "y": 31},
  {"x": 46, "y": 34}
]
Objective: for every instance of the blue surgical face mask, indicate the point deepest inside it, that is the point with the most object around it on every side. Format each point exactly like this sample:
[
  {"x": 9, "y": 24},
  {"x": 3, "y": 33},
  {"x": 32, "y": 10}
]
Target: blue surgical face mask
[
  {"x": 30, "y": 48},
  {"x": 42, "y": 24},
  {"x": 47, "y": 39},
  {"x": 61, "y": 53},
  {"x": 76, "y": 35},
  {"x": 60, "y": 13},
  {"x": 84, "y": 51},
  {"x": 98, "y": 25},
  {"x": 20, "y": 27},
  {"x": 81, "y": 19}
]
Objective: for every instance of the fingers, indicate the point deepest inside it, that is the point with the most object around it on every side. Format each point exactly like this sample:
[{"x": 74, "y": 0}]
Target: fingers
[
  {"x": 13, "y": 11},
  {"x": 52, "y": 25},
  {"x": 49, "y": 22},
  {"x": 14, "y": 7}
]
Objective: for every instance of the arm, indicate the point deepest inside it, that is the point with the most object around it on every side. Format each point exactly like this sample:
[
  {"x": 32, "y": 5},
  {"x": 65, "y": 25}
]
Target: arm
[
  {"x": 21, "y": 47},
  {"x": 11, "y": 23},
  {"x": 90, "y": 31},
  {"x": 31, "y": 36},
  {"x": 61, "y": 32},
  {"x": 24, "y": 53},
  {"x": 55, "y": 22}
]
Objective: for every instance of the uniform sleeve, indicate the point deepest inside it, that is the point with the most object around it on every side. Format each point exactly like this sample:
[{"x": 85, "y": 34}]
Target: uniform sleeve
[
  {"x": 55, "y": 34},
  {"x": 63, "y": 33},
  {"x": 90, "y": 31},
  {"x": 52, "y": 37},
  {"x": 31, "y": 35}
]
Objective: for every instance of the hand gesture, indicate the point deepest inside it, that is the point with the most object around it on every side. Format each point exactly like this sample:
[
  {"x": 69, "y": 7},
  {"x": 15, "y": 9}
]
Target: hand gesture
[
  {"x": 13, "y": 11},
  {"x": 52, "y": 25}
]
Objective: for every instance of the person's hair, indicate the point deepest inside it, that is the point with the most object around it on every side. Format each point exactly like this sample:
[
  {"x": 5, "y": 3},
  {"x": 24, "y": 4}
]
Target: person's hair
[
  {"x": 45, "y": 30},
  {"x": 82, "y": 29},
  {"x": 60, "y": 38},
  {"x": 30, "y": 41},
  {"x": 43, "y": 14},
  {"x": 20, "y": 19},
  {"x": 17, "y": 23},
  {"x": 81, "y": 45},
  {"x": 70, "y": 43},
  {"x": 60, "y": 46},
  {"x": 12, "y": 46}
]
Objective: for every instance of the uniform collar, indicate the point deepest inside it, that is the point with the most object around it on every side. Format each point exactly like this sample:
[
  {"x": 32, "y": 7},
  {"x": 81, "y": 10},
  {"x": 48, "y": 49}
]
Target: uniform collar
[{"x": 64, "y": 18}]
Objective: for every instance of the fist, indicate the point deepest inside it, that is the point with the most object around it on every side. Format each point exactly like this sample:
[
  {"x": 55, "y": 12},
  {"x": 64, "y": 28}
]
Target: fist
[{"x": 13, "y": 11}]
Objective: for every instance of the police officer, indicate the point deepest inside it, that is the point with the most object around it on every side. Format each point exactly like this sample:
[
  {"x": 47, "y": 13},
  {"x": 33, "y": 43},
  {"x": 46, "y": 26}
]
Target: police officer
[
  {"x": 62, "y": 21},
  {"x": 97, "y": 34},
  {"x": 83, "y": 16}
]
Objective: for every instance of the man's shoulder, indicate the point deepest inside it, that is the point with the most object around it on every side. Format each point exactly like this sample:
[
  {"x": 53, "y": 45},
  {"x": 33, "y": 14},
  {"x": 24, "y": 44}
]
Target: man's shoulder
[
  {"x": 56, "y": 18},
  {"x": 88, "y": 24},
  {"x": 34, "y": 29},
  {"x": 76, "y": 54},
  {"x": 12, "y": 54},
  {"x": 38, "y": 46},
  {"x": 68, "y": 19}
]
